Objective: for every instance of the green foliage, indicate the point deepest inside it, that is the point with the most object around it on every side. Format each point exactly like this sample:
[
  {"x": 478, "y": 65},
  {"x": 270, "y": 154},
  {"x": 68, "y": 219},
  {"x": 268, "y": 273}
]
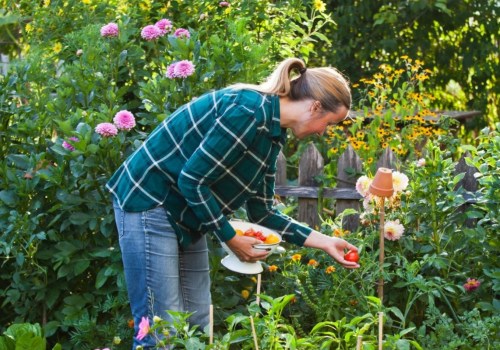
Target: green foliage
[
  {"x": 456, "y": 39},
  {"x": 60, "y": 262},
  {"x": 24, "y": 336}
]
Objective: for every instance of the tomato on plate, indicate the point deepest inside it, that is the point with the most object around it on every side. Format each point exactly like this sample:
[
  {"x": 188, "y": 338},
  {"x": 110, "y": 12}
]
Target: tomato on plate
[{"x": 352, "y": 255}]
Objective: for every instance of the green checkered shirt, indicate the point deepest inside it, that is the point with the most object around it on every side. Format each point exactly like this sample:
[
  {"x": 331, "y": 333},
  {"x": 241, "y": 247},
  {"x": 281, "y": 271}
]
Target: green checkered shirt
[{"x": 209, "y": 158}]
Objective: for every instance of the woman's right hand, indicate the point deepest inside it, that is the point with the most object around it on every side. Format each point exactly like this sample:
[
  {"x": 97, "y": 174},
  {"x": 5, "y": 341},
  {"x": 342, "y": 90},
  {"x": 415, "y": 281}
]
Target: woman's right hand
[{"x": 242, "y": 247}]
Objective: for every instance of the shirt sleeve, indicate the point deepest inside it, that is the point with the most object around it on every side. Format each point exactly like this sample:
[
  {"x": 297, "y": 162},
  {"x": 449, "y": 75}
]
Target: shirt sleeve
[
  {"x": 224, "y": 144},
  {"x": 260, "y": 210}
]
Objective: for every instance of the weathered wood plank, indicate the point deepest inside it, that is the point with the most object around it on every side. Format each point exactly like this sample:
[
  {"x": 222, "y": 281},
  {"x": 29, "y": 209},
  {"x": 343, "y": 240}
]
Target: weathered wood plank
[
  {"x": 310, "y": 166},
  {"x": 316, "y": 192},
  {"x": 349, "y": 160}
]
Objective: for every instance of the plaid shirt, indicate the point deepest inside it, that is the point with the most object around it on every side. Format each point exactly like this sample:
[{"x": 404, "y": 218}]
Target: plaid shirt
[{"x": 210, "y": 157}]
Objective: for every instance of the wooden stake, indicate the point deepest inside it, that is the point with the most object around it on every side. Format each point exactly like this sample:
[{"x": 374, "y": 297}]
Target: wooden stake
[
  {"x": 257, "y": 300},
  {"x": 254, "y": 334},
  {"x": 381, "y": 253},
  {"x": 380, "y": 330},
  {"x": 359, "y": 343},
  {"x": 211, "y": 323}
]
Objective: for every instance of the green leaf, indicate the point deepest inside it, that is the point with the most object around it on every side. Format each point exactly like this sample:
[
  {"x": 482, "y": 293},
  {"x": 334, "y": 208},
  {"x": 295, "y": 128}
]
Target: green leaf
[{"x": 9, "y": 197}]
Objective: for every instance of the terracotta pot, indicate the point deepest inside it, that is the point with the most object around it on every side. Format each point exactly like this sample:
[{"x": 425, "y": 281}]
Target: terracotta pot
[{"x": 381, "y": 185}]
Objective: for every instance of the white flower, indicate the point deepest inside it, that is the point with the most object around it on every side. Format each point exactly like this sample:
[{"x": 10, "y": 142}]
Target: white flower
[
  {"x": 421, "y": 162},
  {"x": 399, "y": 181},
  {"x": 363, "y": 185},
  {"x": 393, "y": 230}
]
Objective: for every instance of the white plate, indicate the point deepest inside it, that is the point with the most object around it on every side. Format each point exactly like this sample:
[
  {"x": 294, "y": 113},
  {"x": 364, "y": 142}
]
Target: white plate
[
  {"x": 245, "y": 225},
  {"x": 232, "y": 262}
]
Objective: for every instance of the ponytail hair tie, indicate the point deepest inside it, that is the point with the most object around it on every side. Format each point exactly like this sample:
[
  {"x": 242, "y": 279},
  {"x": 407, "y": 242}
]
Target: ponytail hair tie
[{"x": 302, "y": 70}]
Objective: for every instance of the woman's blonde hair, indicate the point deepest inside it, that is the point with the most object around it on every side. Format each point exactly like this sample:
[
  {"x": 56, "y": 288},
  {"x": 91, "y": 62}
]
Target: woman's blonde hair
[{"x": 326, "y": 84}]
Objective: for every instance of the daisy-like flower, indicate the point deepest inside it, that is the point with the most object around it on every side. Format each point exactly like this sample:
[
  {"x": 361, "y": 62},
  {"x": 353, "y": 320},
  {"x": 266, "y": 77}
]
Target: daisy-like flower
[
  {"x": 110, "y": 30},
  {"x": 184, "y": 69},
  {"x": 421, "y": 162},
  {"x": 124, "y": 120},
  {"x": 319, "y": 5},
  {"x": 151, "y": 32},
  {"x": 393, "y": 230},
  {"x": 313, "y": 263},
  {"x": 296, "y": 257},
  {"x": 399, "y": 181},
  {"x": 273, "y": 268},
  {"x": 143, "y": 328},
  {"x": 472, "y": 284},
  {"x": 363, "y": 185},
  {"x": 68, "y": 145},
  {"x": 330, "y": 269},
  {"x": 165, "y": 25},
  {"x": 106, "y": 129},
  {"x": 182, "y": 33}
]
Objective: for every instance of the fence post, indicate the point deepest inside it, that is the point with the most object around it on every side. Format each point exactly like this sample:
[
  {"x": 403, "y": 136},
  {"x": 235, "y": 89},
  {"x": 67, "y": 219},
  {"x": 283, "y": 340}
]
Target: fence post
[
  {"x": 468, "y": 183},
  {"x": 387, "y": 160},
  {"x": 348, "y": 168},
  {"x": 310, "y": 165},
  {"x": 281, "y": 170}
]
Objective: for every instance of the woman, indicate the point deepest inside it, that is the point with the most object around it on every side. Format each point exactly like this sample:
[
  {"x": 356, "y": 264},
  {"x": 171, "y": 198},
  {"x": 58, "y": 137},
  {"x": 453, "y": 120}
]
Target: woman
[{"x": 210, "y": 157}]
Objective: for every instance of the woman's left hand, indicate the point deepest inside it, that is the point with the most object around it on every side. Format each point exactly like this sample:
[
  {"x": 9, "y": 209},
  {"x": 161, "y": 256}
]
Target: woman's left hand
[{"x": 333, "y": 246}]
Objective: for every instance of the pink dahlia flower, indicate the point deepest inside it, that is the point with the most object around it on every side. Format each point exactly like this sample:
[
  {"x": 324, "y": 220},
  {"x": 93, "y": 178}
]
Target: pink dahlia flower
[
  {"x": 171, "y": 71},
  {"x": 109, "y": 30},
  {"x": 182, "y": 33},
  {"x": 68, "y": 145},
  {"x": 151, "y": 32},
  {"x": 183, "y": 69},
  {"x": 164, "y": 25},
  {"x": 106, "y": 129},
  {"x": 124, "y": 120},
  {"x": 393, "y": 230},
  {"x": 223, "y": 4},
  {"x": 143, "y": 328}
]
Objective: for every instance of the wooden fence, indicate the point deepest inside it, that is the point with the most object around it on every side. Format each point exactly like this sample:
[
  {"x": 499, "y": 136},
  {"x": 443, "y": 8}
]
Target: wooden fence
[{"x": 309, "y": 192}]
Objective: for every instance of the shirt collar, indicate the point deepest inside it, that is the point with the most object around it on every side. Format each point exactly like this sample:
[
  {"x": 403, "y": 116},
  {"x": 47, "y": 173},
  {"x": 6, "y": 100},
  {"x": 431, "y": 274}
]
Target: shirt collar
[{"x": 275, "y": 121}]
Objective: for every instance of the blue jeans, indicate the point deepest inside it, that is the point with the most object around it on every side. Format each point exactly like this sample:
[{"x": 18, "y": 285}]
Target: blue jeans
[{"x": 159, "y": 275}]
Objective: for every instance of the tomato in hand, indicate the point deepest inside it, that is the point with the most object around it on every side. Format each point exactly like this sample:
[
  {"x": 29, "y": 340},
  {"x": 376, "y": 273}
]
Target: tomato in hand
[{"x": 352, "y": 255}]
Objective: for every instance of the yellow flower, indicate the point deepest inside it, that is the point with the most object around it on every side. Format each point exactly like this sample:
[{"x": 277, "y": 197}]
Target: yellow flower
[
  {"x": 273, "y": 268},
  {"x": 330, "y": 269},
  {"x": 57, "y": 47},
  {"x": 313, "y": 263},
  {"x": 87, "y": 2},
  {"x": 245, "y": 294},
  {"x": 296, "y": 257},
  {"x": 319, "y": 5},
  {"x": 254, "y": 280},
  {"x": 46, "y": 3},
  {"x": 28, "y": 28}
]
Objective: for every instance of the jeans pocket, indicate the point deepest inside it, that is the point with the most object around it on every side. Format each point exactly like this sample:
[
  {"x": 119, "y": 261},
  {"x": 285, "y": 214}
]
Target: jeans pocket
[{"x": 119, "y": 219}]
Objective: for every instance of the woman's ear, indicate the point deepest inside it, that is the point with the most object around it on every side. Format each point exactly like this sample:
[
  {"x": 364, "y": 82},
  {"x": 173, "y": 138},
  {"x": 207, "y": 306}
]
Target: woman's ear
[{"x": 316, "y": 106}]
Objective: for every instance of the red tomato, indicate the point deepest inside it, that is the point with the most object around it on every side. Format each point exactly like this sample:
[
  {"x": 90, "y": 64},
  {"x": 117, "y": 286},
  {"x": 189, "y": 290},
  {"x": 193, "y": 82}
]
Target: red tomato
[{"x": 352, "y": 255}]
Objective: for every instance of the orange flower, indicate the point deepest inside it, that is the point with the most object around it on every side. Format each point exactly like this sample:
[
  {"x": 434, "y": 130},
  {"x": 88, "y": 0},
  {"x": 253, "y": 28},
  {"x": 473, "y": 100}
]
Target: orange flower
[
  {"x": 296, "y": 257},
  {"x": 245, "y": 294},
  {"x": 313, "y": 263},
  {"x": 330, "y": 269},
  {"x": 130, "y": 323},
  {"x": 273, "y": 268}
]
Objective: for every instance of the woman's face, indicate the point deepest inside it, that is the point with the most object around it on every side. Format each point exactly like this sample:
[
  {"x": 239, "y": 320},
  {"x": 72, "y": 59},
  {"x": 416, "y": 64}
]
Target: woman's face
[{"x": 316, "y": 121}]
